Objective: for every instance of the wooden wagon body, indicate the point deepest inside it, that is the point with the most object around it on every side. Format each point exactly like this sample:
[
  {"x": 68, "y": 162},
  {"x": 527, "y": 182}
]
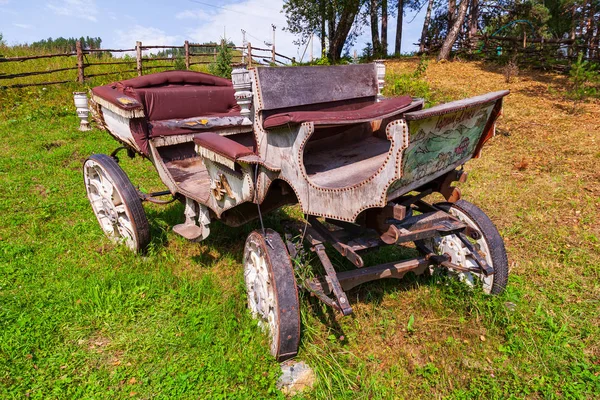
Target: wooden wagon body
[{"x": 322, "y": 137}]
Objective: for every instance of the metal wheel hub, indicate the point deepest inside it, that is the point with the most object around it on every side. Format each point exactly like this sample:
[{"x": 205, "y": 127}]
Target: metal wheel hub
[
  {"x": 261, "y": 294},
  {"x": 453, "y": 247}
]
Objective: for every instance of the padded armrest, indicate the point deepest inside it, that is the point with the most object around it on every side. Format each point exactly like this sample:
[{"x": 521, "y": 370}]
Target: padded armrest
[
  {"x": 113, "y": 99},
  {"x": 220, "y": 149}
]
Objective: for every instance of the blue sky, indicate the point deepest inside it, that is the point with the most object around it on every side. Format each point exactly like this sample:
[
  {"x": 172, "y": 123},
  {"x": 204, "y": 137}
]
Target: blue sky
[{"x": 169, "y": 22}]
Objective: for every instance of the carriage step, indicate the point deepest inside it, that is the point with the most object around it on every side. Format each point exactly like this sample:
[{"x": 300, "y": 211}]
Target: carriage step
[{"x": 188, "y": 231}]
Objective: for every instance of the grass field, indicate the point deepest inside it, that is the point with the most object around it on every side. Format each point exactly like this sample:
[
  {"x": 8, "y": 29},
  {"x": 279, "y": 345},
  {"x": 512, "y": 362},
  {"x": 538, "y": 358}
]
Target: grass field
[{"x": 82, "y": 318}]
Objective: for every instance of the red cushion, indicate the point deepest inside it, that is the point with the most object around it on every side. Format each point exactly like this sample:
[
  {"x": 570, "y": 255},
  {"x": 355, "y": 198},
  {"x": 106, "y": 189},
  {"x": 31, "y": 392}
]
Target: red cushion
[
  {"x": 383, "y": 109},
  {"x": 173, "y": 77},
  {"x": 222, "y": 145}
]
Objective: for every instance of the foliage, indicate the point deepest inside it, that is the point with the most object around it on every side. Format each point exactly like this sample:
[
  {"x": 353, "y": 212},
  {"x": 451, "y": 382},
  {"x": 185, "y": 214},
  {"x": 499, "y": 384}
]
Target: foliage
[
  {"x": 2, "y": 42},
  {"x": 333, "y": 22},
  {"x": 179, "y": 63},
  {"x": 66, "y": 45},
  {"x": 222, "y": 65},
  {"x": 584, "y": 77},
  {"x": 510, "y": 70},
  {"x": 411, "y": 84},
  {"x": 367, "y": 53}
]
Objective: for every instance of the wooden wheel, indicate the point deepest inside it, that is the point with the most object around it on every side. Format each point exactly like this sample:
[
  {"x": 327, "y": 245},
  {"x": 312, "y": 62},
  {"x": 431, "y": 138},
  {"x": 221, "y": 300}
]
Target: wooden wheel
[
  {"x": 115, "y": 202},
  {"x": 489, "y": 245},
  {"x": 272, "y": 291}
]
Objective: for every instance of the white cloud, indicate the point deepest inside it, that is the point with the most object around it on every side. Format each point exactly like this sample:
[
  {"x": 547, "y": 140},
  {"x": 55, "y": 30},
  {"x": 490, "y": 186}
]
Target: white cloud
[
  {"x": 85, "y": 9},
  {"x": 23, "y": 26},
  {"x": 149, "y": 36},
  {"x": 193, "y": 14},
  {"x": 255, "y": 17}
]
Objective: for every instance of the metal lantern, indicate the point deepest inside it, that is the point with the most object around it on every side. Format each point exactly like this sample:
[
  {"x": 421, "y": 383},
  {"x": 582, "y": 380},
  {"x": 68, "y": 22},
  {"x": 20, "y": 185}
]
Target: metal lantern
[{"x": 81, "y": 103}]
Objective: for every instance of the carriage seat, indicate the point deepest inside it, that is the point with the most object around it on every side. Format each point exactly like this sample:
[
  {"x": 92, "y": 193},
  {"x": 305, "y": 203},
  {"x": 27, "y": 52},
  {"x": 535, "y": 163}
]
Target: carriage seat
[
  {"x": 333, "y": 95},
  {"x": 328, "y": 115},
  {"x": 175, "y": 102}
]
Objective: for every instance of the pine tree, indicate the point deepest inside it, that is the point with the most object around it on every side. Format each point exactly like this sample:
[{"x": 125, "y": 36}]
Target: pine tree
[{"x": 222, "y": 65}]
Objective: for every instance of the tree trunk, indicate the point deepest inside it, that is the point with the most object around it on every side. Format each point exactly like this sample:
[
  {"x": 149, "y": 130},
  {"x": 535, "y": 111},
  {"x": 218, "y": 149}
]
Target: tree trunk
[
  {"x": 425, "y": 26},
  {"x": 398, "y": 47},
  {"x": 453, "y": 32},
  {"x": 323, "y": 19},
  {"x": 373, "y": 11},
  {"x": 384, "y": 27},
  {"x": 473, "y": 22},
  {"x": 572, "y": 50},
  {"x": 451, "y": 13},
  {"x": 340, "y": 33}
]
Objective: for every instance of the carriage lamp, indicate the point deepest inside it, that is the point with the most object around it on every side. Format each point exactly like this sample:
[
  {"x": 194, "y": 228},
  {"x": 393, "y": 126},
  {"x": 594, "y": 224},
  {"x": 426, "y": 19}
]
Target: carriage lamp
[
  {"x": 379, "y": 64},
  {"x": 81, "y": 103}
]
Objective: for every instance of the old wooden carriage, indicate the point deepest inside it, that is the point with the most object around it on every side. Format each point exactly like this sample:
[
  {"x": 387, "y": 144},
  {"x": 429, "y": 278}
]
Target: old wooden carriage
[{"x": 358, "y": 165}]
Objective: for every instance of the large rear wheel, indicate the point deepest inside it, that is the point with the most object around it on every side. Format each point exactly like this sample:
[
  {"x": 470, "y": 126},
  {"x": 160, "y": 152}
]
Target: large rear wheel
[
  {"x": 272, "y": 291},
  {"x": 115, "y": 202}
]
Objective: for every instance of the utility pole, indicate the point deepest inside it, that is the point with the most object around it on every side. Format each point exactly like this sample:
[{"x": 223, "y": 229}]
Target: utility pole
[
  {"x": 312, "y": 38},
  {"x": 273, "y": 51}
]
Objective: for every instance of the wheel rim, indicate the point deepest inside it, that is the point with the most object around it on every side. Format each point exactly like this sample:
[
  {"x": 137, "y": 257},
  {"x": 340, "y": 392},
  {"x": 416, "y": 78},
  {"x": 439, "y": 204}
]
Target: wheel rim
[
  {"x": 108, "y": 205},
  {"x": 451, "y": 245},
  {"x": 261, "y": 293}
]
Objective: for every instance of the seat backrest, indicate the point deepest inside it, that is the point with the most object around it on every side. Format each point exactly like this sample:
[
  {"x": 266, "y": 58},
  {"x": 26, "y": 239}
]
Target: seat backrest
[
  {"x": 287, "y": 87},
  {"x": 186, "y": 101}
]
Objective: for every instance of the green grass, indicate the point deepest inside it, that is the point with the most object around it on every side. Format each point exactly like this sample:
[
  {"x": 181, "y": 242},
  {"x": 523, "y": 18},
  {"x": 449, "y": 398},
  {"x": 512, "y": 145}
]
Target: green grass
[{"x": 82, "y": 318}]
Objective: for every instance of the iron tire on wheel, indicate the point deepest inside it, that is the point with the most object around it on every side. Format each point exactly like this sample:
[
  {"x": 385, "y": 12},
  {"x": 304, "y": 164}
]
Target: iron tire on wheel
[
  {"x": 115, "y": 202},
  {"x": 272, "y": 291},
  {"x": 490, "y": 245}
]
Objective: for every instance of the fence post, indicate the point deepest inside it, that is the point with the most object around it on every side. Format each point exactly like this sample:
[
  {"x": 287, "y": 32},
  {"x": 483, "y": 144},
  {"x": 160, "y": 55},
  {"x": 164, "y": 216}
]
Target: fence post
[
  {"x": 215, "y": 54},
  {"x": 186, "y": 47},
  {"x": 138, "y": 55},
  {"x": 80, "y": 74},
  {"x": 249, "y": 55}
]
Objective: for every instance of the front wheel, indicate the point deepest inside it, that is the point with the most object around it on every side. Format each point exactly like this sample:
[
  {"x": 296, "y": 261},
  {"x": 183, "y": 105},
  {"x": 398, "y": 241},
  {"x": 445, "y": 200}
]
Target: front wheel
[
  {"x": 272, "y": 291},
  {"x": 489, "y": 245},
  {"x": 115, "y": 202}
]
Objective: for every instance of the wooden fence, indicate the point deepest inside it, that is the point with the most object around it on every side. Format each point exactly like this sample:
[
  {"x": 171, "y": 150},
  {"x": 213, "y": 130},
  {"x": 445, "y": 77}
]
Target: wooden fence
[
  {"x": 249, "y": 55},
  {"x": 554, "y": 54}
]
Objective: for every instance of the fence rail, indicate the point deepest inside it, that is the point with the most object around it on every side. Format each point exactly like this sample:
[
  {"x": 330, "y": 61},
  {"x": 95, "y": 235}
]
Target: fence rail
[{"x": 82, "y": 63}]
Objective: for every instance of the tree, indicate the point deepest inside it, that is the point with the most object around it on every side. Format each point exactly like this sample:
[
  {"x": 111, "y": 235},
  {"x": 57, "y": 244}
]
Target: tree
[
  {"x": 384, "y": 27},
  {"x": 306, "y": 17},
  {"x": 374, "y": 14},
  {"x": 399, "y": 20},
  {"x": 222, "y": 65},
  {"x": 453, "y": 32},
  {"x": 425, "y": 26},
  {"x": 2, "y": 40}
]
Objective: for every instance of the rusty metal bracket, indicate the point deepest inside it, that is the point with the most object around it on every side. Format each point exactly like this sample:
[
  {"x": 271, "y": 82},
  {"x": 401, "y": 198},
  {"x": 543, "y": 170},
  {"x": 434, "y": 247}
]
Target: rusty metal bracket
[
  {"x": 480, "y": 261},
  {"x": 422, "y": 226},
  {"x": 340, "y": 295},
  {"x": 451, "y": 193},
  {"x": 151, "y": 197},
  {"x": 322, "y": 234}
]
